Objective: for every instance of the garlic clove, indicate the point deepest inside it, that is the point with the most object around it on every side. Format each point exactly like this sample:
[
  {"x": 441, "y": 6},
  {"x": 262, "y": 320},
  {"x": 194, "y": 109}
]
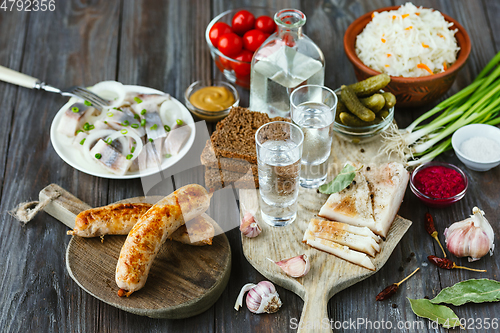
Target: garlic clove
[
  {"x": 249, "y": 227},
  {"x": 295, "y": 267},
  {"x": 262, "y": 297},
  {"x": 472, "y": 237}
]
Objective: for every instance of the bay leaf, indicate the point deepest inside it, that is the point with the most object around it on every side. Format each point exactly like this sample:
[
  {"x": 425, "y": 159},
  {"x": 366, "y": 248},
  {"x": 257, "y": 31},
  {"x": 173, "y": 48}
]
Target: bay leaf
[
  {"x": 473, "y": 290},
  {"x": 341, "y": 181},
  {"x": 440, "y": 313}
]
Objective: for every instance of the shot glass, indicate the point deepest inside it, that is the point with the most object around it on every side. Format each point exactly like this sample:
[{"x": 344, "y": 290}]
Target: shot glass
[
  {"x": 313, "y": 109},
  {"x": 279, "y": 150}
]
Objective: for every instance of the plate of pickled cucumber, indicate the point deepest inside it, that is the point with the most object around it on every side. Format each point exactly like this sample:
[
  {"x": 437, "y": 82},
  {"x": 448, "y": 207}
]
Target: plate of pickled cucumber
[{"x": 364, "y": 109}]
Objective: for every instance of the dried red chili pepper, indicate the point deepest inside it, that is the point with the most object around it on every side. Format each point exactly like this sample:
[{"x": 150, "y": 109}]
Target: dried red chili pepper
[
  {"x": 391, "y": 290},
  {"x": 448, "y": 264},
  {"x": 431, "y": 230}
]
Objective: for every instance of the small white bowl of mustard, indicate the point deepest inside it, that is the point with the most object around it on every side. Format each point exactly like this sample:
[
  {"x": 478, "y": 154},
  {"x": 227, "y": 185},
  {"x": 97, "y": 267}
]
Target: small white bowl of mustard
[{"x": 211, "y": 101}]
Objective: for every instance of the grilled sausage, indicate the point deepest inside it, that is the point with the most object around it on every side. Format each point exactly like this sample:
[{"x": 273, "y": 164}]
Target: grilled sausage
[
  {"x": 118, "y": 219},
  {"x": 146, "y": 237}
]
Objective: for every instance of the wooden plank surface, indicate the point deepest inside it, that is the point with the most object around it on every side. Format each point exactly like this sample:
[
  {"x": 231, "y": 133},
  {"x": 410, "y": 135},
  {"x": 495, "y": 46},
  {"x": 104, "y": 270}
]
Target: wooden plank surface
[{"x": 161, "y": 44}]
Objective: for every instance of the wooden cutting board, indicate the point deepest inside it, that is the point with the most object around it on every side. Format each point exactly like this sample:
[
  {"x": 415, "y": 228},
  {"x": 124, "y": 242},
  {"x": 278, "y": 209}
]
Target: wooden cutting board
[
  {"x": 184, "y": 280},
  {"x": 329, "y": 274}
]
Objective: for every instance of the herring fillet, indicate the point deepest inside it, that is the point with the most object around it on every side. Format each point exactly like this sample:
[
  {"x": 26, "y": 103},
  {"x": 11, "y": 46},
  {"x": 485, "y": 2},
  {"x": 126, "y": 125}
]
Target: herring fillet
[
  {"x": 338, "y": 250},
  {"x": 355, "y": 242}
]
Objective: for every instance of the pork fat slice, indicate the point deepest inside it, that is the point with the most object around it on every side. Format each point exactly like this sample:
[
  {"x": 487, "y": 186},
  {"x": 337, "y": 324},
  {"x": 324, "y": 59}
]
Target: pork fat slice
[
  {"x": 110, "y": 159},
  {"x": 372, "y": 200},
  {"x": 72, "y": 121},
  {"x": 338, "y": 250}
]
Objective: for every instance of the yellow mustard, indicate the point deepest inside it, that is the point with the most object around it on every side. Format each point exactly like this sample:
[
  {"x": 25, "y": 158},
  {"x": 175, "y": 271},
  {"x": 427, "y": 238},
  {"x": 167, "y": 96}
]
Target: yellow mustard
[{"x": 212, "y": 98}]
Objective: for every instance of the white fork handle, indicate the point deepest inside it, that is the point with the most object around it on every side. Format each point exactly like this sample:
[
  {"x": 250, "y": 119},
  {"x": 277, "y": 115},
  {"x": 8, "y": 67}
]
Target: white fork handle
[{"x": 20, "y": 79}]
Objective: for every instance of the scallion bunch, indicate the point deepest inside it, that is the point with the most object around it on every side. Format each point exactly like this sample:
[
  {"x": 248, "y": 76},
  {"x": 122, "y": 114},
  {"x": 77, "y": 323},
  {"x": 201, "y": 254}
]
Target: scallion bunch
[{"x": 478, "y": 103}]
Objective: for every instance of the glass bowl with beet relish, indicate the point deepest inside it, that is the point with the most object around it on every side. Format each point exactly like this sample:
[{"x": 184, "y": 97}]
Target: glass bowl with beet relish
[{"x": 438, "y": 184}]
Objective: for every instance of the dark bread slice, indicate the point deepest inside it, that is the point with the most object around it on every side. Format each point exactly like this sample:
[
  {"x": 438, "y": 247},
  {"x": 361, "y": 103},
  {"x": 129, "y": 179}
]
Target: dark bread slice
[
  {"x": 216, "y": 179},
  {"x": 235, "y": 134},
  {"x": 209, "y": 159}
]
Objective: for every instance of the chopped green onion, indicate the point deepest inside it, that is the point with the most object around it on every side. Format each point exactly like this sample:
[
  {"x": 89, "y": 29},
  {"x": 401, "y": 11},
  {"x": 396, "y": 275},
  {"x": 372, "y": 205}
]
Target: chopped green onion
[
  {"x": 138, "y": 100},
  {"x": 136, "y": 116},
  {"x": 75, "y": 109},
  {"x": 83, "y": 141},
  {"x": 168, "y": 155},
  {"x": 86, "y": 127},
  {"x": 143, "y": 112},
  {"x": 105, "y": 122},
  {"x": 143, "y": 122},
  {"x": 91, "y": 127},
  {"x": 115, "y": 108},
  {"x": 134, "y": 125},
  {"x": 87, "y": 103},
  {"x": 129, "y": 156},
  {"x": 108, "y": 141},
  {"x": 179, "y": 122},
  {"x": 98, "y": 156},
  {"x": 150, "y": 140},
  {"x": 123, "y": 131},
  {"x": 155, "y": 126},
  {"x": 167, "y": 128},
  {"x": 79, "y": 131},
  {"x": 132, "y": 150},
  {"x": 126, "y": 123},
  {"x": 110, "y": 114}
]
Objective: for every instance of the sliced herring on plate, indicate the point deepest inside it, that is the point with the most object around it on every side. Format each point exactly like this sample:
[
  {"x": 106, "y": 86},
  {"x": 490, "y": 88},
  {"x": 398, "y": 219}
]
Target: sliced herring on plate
[
  {"x": 352, "y": 205},
  {"x": 359, "y": 243},
  {"x": 388, "y": 184},
  {"x": 338, "y": 250}
]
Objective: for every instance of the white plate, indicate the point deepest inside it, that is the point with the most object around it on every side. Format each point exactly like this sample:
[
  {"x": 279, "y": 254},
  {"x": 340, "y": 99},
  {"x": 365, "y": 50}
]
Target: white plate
[{"x": 63, "y": 147}]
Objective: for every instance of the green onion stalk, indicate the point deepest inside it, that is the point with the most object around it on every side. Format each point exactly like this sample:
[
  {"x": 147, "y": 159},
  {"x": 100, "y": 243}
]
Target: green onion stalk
[{"x": 478, "y": 103}]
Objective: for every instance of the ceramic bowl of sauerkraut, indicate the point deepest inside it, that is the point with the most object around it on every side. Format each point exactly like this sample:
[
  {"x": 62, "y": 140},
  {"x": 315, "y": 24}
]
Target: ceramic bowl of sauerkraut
[{"x": 420, "y": 48}]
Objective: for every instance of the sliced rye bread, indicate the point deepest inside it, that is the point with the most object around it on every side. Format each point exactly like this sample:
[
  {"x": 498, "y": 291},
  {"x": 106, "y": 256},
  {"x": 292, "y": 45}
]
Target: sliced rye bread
[
  {"x": 209, "y": 159},
  {"x": 235, "y": 134},
  {"x": 215, "y": 179}
]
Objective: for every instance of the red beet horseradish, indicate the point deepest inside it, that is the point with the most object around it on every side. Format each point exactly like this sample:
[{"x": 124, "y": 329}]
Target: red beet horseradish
[{"x": 438, "y": 184}]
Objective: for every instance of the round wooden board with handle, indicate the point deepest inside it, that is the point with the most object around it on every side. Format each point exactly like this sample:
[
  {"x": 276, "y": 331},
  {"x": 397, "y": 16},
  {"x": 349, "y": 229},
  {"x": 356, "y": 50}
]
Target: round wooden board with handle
[{"x": 184, "y": 280}]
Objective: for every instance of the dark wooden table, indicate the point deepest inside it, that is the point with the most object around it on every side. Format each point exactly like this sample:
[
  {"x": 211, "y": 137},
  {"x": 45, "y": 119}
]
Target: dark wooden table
[{"x": 161, "y": 44}]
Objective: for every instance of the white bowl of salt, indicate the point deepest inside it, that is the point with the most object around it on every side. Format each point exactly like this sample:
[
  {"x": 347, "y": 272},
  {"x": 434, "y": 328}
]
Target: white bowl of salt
[{"x": 477, "y": 146}]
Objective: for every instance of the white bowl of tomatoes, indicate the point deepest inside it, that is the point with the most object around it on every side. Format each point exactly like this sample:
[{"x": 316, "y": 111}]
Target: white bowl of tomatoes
[{"x": 233, "y": 37}]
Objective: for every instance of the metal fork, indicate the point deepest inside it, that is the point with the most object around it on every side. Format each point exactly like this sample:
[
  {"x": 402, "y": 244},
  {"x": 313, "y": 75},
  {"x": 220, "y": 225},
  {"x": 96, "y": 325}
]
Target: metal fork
[{"x": 20, "y": 79}]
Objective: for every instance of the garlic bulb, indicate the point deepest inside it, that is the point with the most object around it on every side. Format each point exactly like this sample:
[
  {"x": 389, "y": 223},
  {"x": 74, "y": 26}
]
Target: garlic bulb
[
  {"x": 295, "y": 267},
  {"x": 262, "y": 297},
  {"x": 249, "y": 227},
  {"x": 472, "y": 237}
]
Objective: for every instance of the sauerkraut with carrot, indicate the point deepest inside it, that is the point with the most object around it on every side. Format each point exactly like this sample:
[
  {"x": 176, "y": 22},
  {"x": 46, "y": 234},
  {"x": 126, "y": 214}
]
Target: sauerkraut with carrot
[{"x": 410, "y": 42}]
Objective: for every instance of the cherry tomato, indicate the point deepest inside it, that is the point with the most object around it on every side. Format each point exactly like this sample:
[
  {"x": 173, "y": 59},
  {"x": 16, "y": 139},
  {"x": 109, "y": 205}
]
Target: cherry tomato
[
  {"x": 265, "y": 24},
  {"x": 217, "y": 30},
  {"x": 253, "y": 39},
  {"x": 230, "y": 44},
  {"x": 226, "y": 64},
  {"x": 243, "y": 21},
  {"x": 242, "y": 69}
]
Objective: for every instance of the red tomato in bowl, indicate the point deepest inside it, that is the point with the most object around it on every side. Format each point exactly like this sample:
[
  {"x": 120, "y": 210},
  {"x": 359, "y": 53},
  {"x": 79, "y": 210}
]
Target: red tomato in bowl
[
  {"x": 265, "y": 24},
  {"x": 230, "y": 44},
  {"x": 242, "y": 69},
  {"x": 253, "y": 39},
  {"x": 243, "y": 21},
  {"x": 217, "y": 30}
]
